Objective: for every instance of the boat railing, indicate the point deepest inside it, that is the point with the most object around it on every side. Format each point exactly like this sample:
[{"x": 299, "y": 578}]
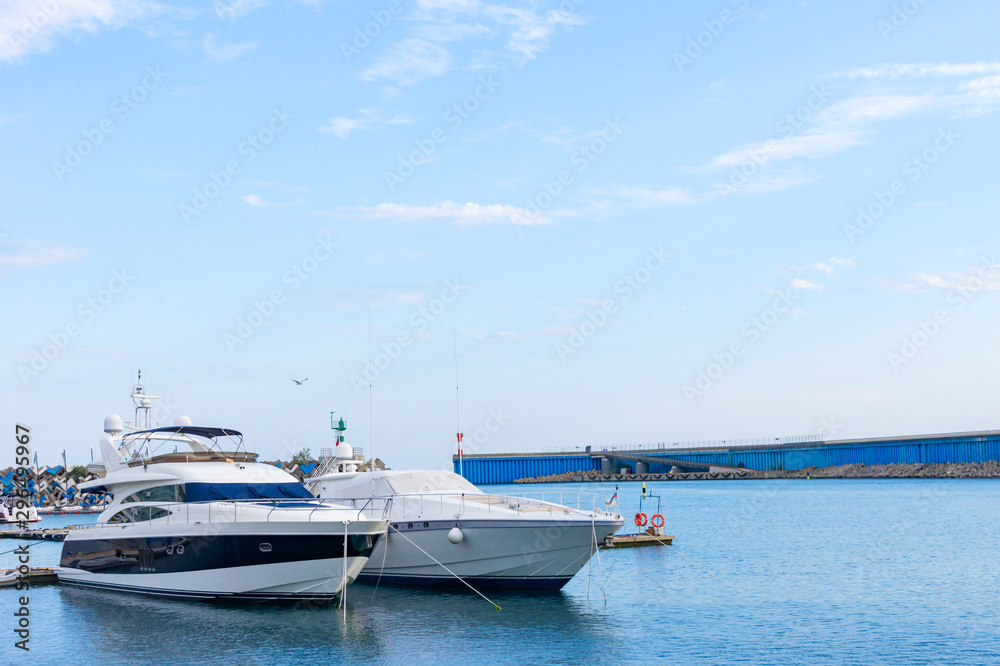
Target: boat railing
[
  {"x": 550, "y": 503},
  {"x": 229, "y": 511}
]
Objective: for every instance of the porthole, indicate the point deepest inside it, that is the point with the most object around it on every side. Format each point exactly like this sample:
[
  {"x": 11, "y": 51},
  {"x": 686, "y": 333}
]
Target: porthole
[
  {"x": 265, "y": 548},
  {"x": 170, "y": 550},
  {"x": 427, "y": 524},
  {"x": 179, "y": 550},
  {"x": 409, "y": 526}
]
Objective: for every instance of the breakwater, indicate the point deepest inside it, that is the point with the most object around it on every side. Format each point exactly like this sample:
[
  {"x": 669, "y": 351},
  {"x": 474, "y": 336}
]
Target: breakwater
[
  {"x": 53, "y": 489},
  {"x": 759, "y": 456},
  {"x": 987, "y": 470}
]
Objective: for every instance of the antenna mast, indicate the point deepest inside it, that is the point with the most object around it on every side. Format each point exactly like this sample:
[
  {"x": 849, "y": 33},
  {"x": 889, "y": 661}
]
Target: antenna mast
[
  {"x": 371, "y": 408},
  {"x": 458, "y": 402},
  {"x": 142, "y": 402}
]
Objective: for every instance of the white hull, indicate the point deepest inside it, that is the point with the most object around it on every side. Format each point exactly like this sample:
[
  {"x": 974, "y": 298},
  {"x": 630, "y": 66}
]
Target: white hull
[
  {"x": 313, "y": 579},
  {"x": 286, "y": 557},
  {"x": 500, "y": 553},
  {"x": 9, "y": 515}
]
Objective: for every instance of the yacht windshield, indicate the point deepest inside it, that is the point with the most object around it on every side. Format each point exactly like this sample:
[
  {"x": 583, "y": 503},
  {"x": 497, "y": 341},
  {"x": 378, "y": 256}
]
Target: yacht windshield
[{"x": 203, "y": 492}]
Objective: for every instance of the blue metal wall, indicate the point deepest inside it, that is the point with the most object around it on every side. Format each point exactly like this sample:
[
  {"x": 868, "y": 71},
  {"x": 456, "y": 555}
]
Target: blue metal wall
[
  {"x": 508, "y": 468},
  {"x": 940, "y": 449}
]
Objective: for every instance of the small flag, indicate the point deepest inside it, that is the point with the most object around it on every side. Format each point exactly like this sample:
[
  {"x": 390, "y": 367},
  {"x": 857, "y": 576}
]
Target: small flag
[{"x": 612, "y": 500}]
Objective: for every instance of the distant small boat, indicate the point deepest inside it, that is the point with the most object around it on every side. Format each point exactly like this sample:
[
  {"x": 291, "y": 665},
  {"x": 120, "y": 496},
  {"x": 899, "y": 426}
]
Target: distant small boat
[{"x": 13, "y": 512}]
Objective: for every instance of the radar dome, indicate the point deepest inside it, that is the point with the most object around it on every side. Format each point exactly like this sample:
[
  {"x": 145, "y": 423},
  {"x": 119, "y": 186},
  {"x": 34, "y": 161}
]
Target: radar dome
[
  {"x": 344, "y": 450},
  {"x": 182, "y": 421},
  {"x": 113, "y": 424}
]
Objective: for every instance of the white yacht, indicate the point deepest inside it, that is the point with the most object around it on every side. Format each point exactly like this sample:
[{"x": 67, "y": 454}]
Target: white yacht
[
  {"x": 209, "y": 522},
  {"x": 440, "y": 518},
  {"x": 16, "y": 509}
]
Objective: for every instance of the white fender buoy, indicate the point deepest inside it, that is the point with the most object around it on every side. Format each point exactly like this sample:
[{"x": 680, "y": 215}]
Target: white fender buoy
[{"x": 455, "y": 535}]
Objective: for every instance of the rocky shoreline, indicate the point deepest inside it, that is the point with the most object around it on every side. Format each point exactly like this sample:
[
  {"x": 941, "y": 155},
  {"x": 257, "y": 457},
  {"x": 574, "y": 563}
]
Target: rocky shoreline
[{"x": 985, "y": 470}]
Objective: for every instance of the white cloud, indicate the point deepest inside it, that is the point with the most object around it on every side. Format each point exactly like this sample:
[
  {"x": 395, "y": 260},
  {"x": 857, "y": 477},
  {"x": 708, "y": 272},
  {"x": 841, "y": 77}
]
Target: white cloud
[
  {"x": 34, "y": 254},
  {"x": 408, "y": 62},
  {"x": 843, "y": 125},
  {"x": 469, "y": 214},
  {"x": 827, "y": 267},
  {"x": 810, "y": 146},
  {"x": 342, "y": 126},
  {"x": 234, "y": 9},
  {"x": 863, "y": 111},
  {"x": 649, "y": 197},
  {"x": 950, "y": 281},
  {"x": 436, "y": 23},
  {"x": 28, "y": 26},
  {"x": 259, "y": 202},
  {"x": 217, "y": 51},
  {"x": 531, "y": 31},
  {"x": 799, "y": 283},
  {"x": 918, "y": 70}
]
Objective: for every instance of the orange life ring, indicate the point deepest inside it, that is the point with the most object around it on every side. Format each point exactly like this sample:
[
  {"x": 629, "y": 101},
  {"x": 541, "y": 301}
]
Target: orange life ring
[
  {"x": 652, "y": 521},
  {"x": 640, "y": 519}
]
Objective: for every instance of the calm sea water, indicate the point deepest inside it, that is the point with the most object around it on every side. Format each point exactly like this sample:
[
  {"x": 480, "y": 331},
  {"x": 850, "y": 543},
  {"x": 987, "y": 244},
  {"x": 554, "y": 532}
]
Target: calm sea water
[{"x": 828, "y": 571}]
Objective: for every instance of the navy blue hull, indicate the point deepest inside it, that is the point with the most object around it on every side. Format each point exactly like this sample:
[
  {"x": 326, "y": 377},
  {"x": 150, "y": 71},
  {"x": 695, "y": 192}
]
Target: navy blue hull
[{"x": 199, "y": 553}]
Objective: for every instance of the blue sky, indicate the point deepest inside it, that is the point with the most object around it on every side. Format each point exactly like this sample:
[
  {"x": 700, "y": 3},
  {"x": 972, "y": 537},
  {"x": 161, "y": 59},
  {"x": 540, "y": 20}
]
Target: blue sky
[{"x": 641, "y": 222}]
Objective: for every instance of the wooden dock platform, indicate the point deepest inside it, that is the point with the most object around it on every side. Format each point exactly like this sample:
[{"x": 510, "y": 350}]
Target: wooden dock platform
[
  {"x": 34, "y": 577},
  {"x": 50, "y": 534},
  {"x": 637, "y": 540}
]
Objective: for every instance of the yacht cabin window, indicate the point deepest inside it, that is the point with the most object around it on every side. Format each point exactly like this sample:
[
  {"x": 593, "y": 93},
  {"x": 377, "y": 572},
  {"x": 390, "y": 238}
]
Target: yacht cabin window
[
  {"x": 138, "y": 514},
  {"x": 158, "y": 494}
]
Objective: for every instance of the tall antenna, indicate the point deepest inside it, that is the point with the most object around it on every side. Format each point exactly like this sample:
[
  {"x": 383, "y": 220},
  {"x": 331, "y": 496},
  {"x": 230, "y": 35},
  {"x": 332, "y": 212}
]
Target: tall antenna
[
  {"x": 371, "y": 408},
  {"x": 458, "y": 402}
]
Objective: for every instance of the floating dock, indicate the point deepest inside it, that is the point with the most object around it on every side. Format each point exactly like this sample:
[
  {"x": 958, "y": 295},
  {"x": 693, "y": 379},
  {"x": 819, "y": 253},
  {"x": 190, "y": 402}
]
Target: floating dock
[
  {"x": 50, "y": 534},
  {"x": 34, "y": 577},
  {"x": 636, "y": 540}
]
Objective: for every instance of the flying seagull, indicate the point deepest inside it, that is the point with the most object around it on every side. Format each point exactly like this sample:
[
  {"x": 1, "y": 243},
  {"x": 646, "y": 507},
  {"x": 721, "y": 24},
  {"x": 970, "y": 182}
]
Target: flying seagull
[{"x": 298, "y": 383}]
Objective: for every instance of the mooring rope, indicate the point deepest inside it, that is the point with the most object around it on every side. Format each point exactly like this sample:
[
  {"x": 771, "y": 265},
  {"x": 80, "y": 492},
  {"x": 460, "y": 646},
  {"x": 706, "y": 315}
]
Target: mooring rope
[
  {"x": 385, "y": 551},
  {"x": 7, "y": 552},
  {"x": 464, "y": 582},
  {"x": 600, "y": 569}
]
